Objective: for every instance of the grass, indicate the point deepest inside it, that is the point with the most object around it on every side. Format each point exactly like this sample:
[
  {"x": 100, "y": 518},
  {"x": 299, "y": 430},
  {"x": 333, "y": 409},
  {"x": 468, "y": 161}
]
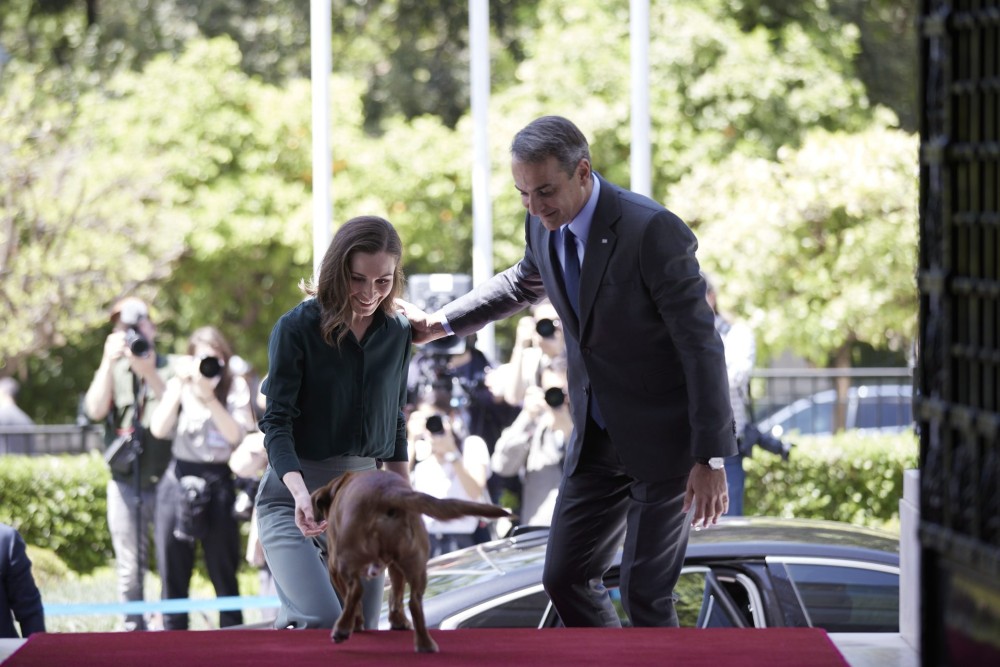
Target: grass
[{"x": 58, "y": 584}]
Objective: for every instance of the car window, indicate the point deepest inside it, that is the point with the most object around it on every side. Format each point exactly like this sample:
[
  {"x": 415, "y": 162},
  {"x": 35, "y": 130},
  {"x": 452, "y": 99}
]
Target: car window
[
  {"x": 520, "y": 612},
  {"x": 884, "y": 411},
  {"x": 704, "y": 601},
  {"x": 846, "y": 598},
  {"x": 816, "y": 418}
]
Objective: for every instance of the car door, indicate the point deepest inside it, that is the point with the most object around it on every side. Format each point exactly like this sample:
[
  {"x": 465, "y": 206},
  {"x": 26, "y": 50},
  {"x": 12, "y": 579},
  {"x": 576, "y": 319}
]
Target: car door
[
  {"x": 707, "y": 597},
  {"x": 838, "y": 595}
]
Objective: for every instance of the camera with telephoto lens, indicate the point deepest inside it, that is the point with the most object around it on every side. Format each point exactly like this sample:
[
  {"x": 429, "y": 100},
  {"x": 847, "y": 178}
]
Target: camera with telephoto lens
[
  {"x": 435, "y": 424},
  {"x": 555, "y": 396},
  {"x": 754, "y": 436},
  {"x": 210, "y": 367},
  {"x": 137, "y": 343},
  {"x": 545, "y": 328}
]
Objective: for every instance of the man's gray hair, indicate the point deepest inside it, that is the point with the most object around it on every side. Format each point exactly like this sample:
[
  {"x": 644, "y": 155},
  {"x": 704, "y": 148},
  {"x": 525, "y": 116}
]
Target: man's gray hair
[{"x": 551, "y": 136}]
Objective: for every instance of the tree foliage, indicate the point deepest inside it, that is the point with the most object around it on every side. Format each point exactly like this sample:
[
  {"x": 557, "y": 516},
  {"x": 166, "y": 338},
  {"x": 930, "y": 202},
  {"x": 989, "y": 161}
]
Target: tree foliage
[
  {"x": 165, "y": 164},
  {"x": 77, "y": 223},
  {"x": 817, "y": 250}
]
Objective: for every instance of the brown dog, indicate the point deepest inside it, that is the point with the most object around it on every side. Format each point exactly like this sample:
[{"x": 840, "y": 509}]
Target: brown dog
[{"x": 373, "y": 522}]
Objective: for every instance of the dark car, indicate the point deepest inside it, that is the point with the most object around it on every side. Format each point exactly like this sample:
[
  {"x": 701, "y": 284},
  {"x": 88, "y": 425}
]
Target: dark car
[
  {"x": 744, "y": 572},
  {"x": 868, "y": 409}
]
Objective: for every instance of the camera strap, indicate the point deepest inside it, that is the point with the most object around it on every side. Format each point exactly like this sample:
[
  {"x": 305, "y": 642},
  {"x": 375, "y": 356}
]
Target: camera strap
[
  {"x": 139, "y": 390},
  {"x": 748, "y": 401}
]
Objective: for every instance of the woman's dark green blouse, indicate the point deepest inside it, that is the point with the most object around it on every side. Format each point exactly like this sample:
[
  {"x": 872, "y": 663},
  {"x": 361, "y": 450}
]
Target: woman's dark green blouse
[{"x": 325, "y": 401}]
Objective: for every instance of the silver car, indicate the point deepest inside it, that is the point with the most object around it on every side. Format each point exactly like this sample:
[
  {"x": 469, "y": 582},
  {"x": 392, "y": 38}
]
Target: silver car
[
  {"x": 869, "y": 409},
  {"x": 744, "y": 572}
]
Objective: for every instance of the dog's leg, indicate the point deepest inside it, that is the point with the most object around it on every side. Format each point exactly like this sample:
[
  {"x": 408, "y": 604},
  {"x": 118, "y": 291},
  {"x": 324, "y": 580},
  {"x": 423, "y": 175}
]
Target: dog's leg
[
  {"x": 397, "y": 617},
  {"x": 352, "y": 610},
  {"x": 422, "y": 640}
]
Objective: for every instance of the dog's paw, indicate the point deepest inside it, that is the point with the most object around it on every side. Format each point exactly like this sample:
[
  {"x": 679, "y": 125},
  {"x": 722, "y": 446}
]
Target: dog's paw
[
  {"x": 340, "y": 636},
  {"x": 398, "y": 620},
  {"x": 430, "y": 646}
]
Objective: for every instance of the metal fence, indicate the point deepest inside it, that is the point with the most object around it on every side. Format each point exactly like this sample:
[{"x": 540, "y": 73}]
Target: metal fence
[
  {"x": 51, "y": 439},
  {"x": 771, "y": 390}
]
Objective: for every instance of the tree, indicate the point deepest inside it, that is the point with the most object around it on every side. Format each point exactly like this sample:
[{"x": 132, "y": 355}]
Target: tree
[
  {"x": 76, "y": 224},
  {"x": 183, "y": 183},
  {"x": 817, "y": 250},
  {"x": 885, "y": 60},
  {"x": 208, "y": 169}
]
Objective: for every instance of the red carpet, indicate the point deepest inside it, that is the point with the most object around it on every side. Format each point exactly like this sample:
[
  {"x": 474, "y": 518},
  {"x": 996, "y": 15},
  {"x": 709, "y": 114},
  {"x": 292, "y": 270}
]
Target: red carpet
[{"x": 774, "y": 647}]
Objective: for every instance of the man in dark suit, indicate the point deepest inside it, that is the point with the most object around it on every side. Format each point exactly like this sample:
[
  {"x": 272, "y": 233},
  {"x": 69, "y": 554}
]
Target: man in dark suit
[{"x": 647, "y": 376}]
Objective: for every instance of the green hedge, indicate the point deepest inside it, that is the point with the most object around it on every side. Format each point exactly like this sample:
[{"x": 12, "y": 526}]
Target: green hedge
[
  {"x": 847, "y": 477},
  {"x": 58, "y": 502}
]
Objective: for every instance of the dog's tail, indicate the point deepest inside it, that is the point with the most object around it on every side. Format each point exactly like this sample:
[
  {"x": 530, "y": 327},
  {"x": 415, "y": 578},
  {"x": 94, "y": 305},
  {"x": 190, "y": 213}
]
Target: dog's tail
[{"x": 444, "y": 509}]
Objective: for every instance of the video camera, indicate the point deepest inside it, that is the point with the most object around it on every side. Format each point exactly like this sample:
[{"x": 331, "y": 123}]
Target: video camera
[
  {"x": 430, "y": 292},
  {"x": 754, "y": 436}
]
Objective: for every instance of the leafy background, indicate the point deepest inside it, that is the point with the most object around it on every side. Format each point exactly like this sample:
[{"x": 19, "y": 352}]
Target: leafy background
[{"x": 163, "y": 149}]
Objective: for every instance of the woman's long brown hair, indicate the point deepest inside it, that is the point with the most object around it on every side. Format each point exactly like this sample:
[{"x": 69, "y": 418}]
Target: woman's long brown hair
[{"x": 369, "y": 234}]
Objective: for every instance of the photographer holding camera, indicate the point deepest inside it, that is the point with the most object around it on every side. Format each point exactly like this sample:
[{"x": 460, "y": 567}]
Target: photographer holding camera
[
  {"x": 533, "y": 447},
  {"x": 447, "y": 464},
  {"x": 206, "y": 410},
  {"x": 538, "y": 344},
  {"x": 128, "y": 384}
]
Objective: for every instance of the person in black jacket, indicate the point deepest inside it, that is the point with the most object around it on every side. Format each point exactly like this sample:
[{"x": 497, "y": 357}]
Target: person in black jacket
[
  {"x": 19, "y": 596},
  {"x": 648, "y": 386}
]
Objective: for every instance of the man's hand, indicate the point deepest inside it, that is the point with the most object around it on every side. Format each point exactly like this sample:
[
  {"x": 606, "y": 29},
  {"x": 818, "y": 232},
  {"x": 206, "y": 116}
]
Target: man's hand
[
  {"x": 708, "y": 492},
  {"x": 425, "y": 327},
  {"x": 144, "y": 366}
]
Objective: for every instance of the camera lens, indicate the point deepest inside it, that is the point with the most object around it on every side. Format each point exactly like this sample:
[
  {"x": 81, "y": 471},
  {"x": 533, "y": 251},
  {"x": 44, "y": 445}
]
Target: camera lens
[
  {"x": 555, "y": 396},
  {"x": 136, "y": 342},
  {"x": 546, "y": 328},
  {"x": 210, "y": 367},
  {"x": 435, "y": 424}
]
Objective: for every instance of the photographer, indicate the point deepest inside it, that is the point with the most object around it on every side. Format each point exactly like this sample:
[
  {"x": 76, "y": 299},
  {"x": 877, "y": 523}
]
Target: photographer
[
  {"x": 741, "y": 354},
  {"x": 533, "y": 447},
  {"x": 206, "y": 409},
  {"x": 447, "y": 465},
  {"x": 538, "y": 344},
  {"x": 125, "y": 390}
]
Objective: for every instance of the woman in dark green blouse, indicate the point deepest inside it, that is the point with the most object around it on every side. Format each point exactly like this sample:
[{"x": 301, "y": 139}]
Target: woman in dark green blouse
[{"x": 335, "y": 388}]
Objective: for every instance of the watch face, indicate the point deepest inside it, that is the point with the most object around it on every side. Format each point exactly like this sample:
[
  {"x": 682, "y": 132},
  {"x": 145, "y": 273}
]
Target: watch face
[{"x": 716, "y": 463}]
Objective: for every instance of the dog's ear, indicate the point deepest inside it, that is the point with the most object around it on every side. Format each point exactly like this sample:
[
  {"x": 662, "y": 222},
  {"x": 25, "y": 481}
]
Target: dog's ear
[{"x": 321, "y": 499}]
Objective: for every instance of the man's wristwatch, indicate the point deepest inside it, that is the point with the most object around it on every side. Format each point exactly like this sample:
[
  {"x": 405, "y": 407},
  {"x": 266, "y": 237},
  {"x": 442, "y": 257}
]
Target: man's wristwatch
[{"x": 715, "y": 463}]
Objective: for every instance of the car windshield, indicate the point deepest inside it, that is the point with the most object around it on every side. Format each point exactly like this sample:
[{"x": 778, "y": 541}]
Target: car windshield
[{"x": 475, "y": 566}]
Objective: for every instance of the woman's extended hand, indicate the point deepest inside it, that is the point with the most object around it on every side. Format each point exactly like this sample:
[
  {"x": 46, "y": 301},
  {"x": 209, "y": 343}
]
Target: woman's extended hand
[{"x": 304, "y": 517}]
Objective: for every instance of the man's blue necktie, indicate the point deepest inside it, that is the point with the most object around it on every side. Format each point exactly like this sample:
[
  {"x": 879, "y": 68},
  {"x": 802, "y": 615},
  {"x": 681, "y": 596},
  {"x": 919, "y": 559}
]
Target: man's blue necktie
[
  {"x": 571, "y": 276},
  {"x": 571, "y": 269}
]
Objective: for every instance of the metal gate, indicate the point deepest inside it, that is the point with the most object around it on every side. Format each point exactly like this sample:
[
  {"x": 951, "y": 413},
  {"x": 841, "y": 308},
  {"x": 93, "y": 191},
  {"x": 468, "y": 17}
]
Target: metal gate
[{"x": 958, "y": 409}]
